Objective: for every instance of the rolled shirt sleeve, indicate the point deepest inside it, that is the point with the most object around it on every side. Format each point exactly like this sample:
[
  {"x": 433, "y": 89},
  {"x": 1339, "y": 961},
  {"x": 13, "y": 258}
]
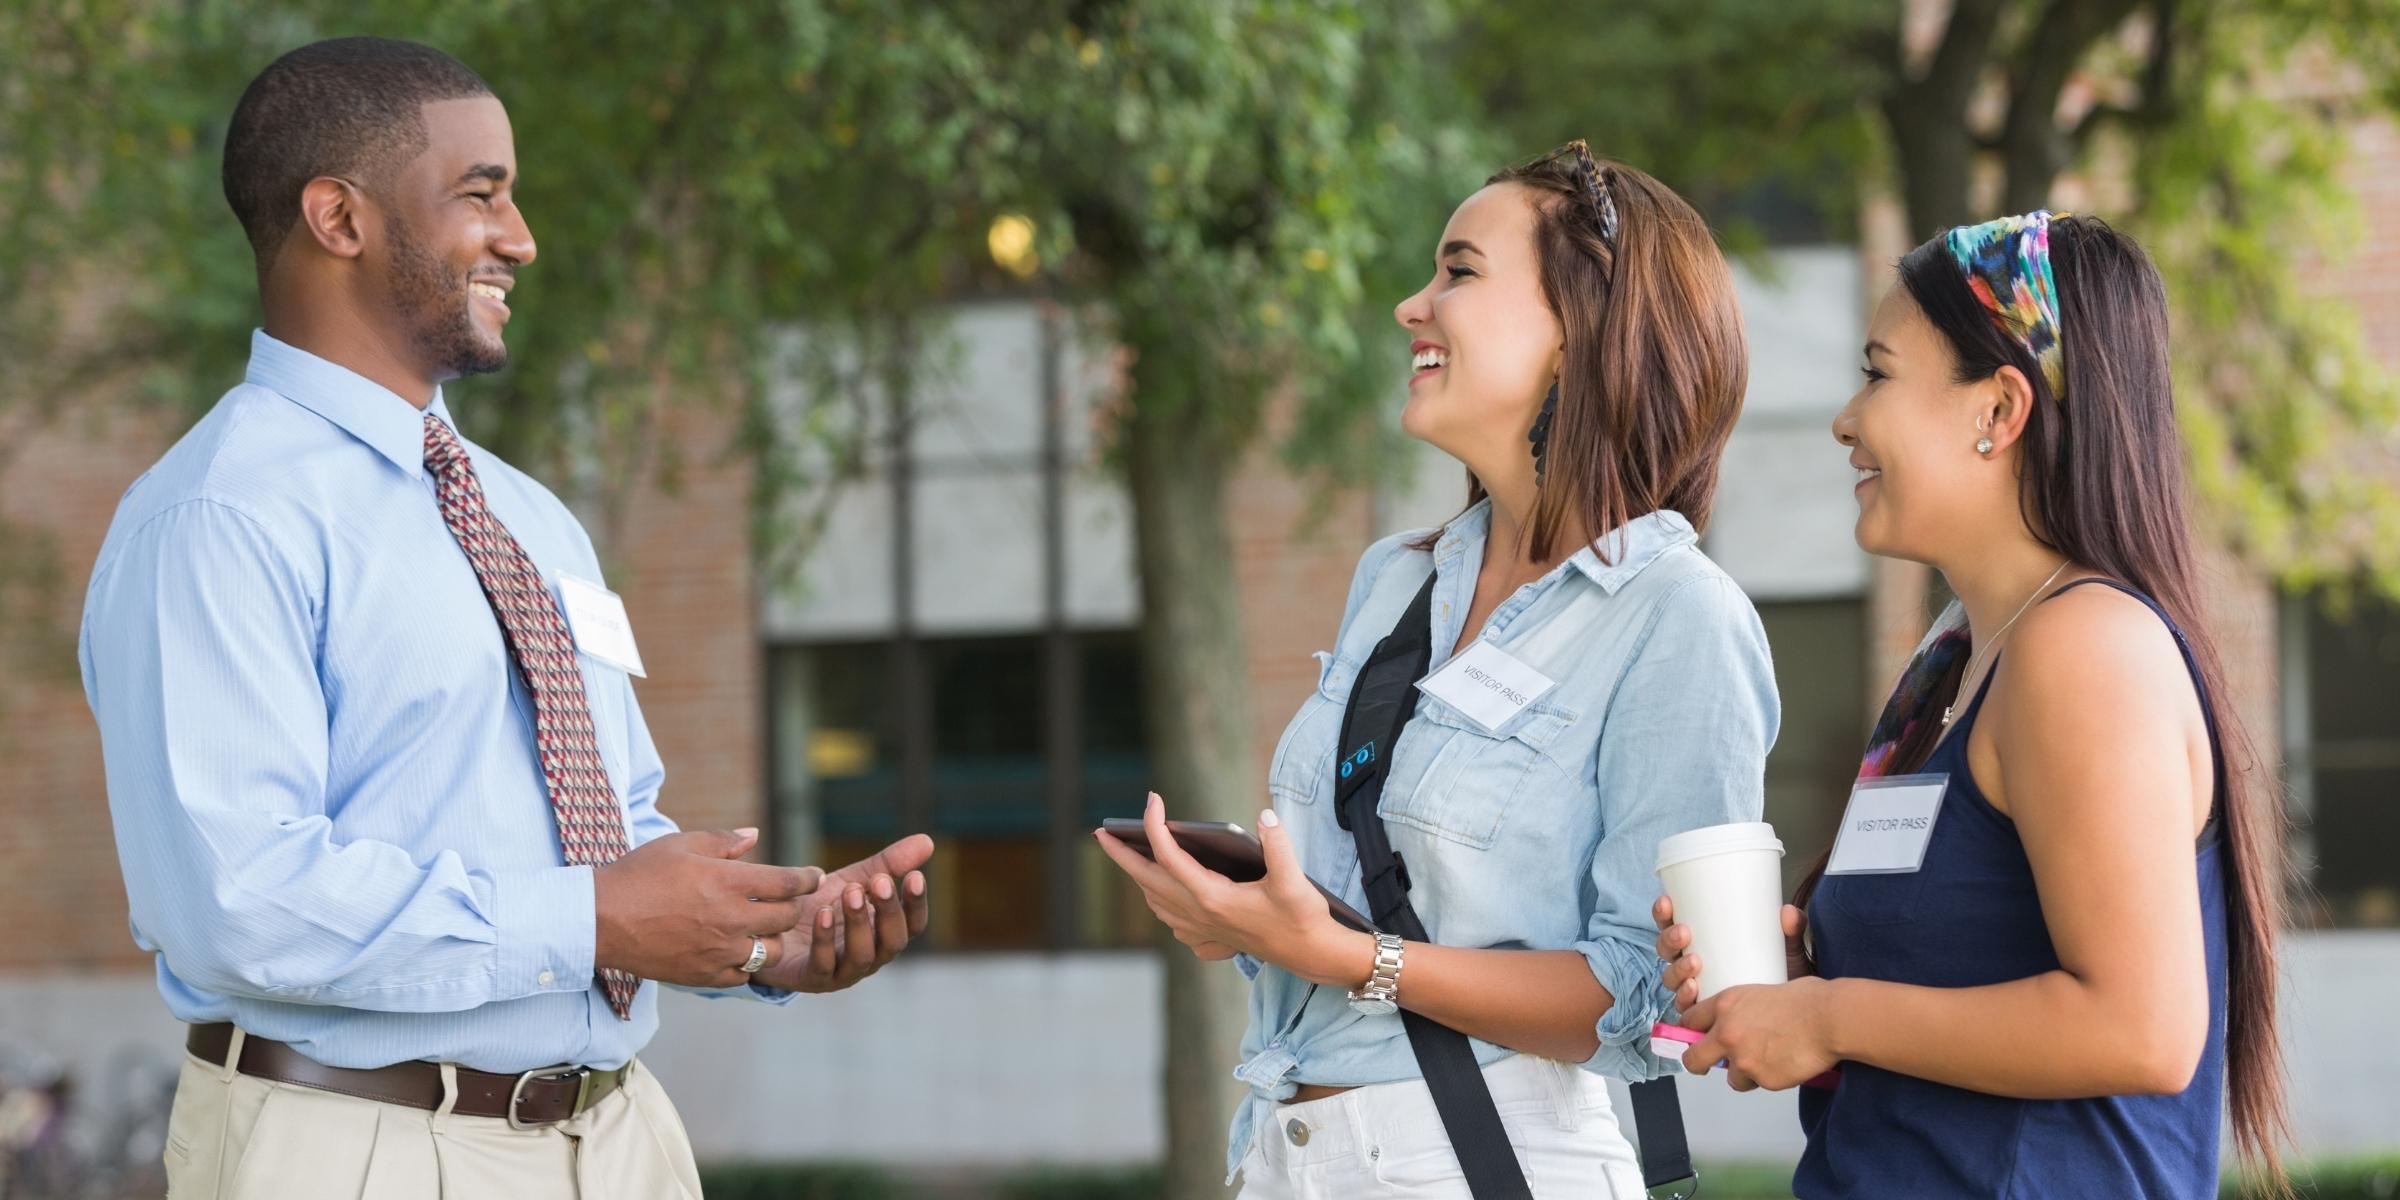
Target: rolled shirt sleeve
[
  {"x": 199, "y": 660},
  {"x": 1685, "y": 746}
]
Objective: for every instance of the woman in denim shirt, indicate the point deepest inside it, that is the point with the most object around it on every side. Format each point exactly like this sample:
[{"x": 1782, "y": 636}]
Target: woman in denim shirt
[{"x": 1583, "y": 308}]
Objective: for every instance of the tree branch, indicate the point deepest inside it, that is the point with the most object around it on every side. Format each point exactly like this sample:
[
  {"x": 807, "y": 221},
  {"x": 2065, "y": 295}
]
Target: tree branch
[
  {"x": 1927, "y": 116},
  {"x": 2033, "y": 148},
  {"x": 2158, "y": 103},
  {"x": 1966, "y": 47},
  {"x": 1881, "y": 45}
]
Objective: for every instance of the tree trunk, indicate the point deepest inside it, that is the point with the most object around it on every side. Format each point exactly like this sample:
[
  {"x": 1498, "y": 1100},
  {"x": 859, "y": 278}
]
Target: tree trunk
[
  {"x": 1927, "y": 116},
  {"x": 1196, "y": 684},
  {"x": 1934, "y": 157},
  {"x": 2033, "y": 149}
]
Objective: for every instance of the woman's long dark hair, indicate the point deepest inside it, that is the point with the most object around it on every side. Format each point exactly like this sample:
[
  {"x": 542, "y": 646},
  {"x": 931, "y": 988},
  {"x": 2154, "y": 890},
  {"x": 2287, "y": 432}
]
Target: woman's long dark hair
[{"x": 2103, "y": 483}]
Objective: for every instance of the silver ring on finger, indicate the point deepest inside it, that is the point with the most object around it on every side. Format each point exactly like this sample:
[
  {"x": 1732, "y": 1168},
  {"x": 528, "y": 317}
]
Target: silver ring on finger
[{"x": 758, "y": 956}]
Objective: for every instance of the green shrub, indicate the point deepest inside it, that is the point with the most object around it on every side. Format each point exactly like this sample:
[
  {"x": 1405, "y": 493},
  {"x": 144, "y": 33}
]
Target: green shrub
[
  {"x": 2347, "y": 1179},
  {"x": 2350, "y": 1179},
  {"x": 1135, "y": 1183},
  {"x": 802, "y": 1181}
]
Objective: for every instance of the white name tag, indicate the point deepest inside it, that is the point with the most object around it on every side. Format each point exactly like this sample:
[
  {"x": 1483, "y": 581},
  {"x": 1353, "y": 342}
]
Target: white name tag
[
  {"x": 597, "y": 619},
  {"x": 1488, "y": 684},
  {"x": 1887, "y": 825}
]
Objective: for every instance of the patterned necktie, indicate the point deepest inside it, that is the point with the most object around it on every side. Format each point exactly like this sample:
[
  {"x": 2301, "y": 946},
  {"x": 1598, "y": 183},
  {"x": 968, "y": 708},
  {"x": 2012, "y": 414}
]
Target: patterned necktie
[{"x": 591, "y": 824}]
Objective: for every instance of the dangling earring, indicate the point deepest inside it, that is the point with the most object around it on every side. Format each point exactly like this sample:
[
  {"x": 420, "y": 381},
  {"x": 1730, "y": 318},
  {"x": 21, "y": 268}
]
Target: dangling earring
[
  {"x": 1983, "y": 445},
  {"x": 1540, "y": 434}
]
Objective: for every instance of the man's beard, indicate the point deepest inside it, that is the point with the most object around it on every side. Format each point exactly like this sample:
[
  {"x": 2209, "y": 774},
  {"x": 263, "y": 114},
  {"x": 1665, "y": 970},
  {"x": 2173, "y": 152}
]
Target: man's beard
[{"x": 436, "y": 303}]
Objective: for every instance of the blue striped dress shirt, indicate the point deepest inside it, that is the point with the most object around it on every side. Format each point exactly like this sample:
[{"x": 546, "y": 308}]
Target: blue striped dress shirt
[{"x": 331, "y": 819}]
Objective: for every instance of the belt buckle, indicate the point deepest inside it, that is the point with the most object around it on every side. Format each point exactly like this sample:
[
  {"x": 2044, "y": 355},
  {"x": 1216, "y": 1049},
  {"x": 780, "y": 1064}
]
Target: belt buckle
[{"x": 516, "y": 1092}]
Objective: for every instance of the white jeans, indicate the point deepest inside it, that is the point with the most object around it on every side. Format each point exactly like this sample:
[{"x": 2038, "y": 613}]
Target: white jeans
[{"x": 1387, "y": 1140}]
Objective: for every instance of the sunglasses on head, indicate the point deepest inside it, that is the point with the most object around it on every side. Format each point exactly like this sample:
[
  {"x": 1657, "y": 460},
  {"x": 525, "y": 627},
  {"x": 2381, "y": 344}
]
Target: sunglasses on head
[{"x": 1595, "y": 184}]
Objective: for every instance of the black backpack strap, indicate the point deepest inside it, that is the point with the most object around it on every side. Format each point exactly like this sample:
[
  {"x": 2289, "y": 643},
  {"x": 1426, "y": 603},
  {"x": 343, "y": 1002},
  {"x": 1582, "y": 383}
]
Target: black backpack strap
[
  {"x": 1658, "y": 1129},
  {"x": 1382, "y": 700}
]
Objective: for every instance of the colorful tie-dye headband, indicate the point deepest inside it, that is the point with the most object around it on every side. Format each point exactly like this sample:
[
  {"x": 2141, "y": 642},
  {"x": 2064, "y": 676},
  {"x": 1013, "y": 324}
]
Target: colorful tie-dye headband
[
  {"x": 2007, "y": 263},
  {"x": 1911, "y": 704}
]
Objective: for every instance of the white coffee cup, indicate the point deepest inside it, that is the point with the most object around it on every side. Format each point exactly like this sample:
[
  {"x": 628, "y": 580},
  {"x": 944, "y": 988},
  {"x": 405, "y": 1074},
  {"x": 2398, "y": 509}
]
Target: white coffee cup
[{"x": 1726, "y": 882}]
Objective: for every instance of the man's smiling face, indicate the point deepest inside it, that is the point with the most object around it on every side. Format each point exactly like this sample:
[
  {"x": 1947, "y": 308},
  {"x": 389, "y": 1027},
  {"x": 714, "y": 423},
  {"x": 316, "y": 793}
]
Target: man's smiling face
[{"x": 454, "y": 239}]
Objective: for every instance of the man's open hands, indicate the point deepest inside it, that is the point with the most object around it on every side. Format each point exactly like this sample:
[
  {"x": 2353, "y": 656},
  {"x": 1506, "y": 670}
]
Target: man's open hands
[
  {"x": 860, "y": 918},
  {"x": 679, "y": 909}
]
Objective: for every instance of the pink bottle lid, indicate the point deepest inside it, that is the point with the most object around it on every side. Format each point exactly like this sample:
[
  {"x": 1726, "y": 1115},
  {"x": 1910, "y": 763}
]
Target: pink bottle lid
[{"x": 1667, "y": 1042}]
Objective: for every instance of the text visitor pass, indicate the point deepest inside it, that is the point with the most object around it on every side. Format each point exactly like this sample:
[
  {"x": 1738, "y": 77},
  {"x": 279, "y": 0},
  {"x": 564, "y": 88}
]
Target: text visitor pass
[
  {"x": 1887, "y": 825},
  {"x": 1488, "y": 684}
]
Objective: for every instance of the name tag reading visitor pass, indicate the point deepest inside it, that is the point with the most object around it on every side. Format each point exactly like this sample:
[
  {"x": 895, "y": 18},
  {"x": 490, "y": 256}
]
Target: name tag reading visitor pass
[
  {"x": 1488, "y": 684},
  {"x": 1887, "y": 825},
  {"x": 597, "y": 619}
]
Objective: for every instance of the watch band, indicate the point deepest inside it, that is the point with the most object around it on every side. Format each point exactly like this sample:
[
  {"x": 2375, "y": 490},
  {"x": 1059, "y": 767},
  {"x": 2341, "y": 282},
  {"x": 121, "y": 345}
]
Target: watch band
[{"x": 1384, "y": 983}]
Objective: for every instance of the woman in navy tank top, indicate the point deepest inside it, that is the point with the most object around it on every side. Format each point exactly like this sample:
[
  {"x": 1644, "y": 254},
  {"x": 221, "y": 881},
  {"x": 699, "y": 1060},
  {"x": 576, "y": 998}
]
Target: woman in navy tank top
[{"x": 2044, "y": 940}]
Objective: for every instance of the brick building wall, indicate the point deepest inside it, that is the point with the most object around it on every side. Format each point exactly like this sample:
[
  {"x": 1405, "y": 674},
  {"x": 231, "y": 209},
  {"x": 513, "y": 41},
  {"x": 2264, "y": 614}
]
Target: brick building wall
[
  {"x": 1293, "y": 562},
  {"x": 59, "y": 883},
  {"x": 2366, "y": 274},
  {"x": 683, "y": 564}
]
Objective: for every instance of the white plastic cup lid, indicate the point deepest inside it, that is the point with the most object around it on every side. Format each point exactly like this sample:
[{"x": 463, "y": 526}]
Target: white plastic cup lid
[{"x": 1718, "y": 839}]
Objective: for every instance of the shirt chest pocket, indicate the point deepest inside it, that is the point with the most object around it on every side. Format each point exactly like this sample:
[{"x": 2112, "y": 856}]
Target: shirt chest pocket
[
  {"x": 1451, "y": 778},
  {"x": 1303, "y": 762}
]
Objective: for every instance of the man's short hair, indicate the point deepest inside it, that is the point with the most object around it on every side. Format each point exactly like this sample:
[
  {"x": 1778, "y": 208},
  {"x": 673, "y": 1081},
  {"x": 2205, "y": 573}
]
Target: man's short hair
[{"x": 350, "y": 107}]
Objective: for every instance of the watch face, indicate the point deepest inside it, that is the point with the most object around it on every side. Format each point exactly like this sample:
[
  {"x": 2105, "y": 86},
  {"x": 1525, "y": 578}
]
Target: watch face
[{"x": 1373, "y": 1006}]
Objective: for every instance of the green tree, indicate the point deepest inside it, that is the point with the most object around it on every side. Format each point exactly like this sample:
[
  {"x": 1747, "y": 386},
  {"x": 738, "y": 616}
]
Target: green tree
[
  {"x": 697, "y": 178},
  {"x": 2215, "y": 130},
  {"x": 1242, "y": 189}
]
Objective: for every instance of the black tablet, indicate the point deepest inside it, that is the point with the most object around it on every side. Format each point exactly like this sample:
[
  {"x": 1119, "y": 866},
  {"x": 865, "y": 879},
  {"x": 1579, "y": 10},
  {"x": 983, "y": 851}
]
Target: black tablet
[{"x": 1229, "y": 850}]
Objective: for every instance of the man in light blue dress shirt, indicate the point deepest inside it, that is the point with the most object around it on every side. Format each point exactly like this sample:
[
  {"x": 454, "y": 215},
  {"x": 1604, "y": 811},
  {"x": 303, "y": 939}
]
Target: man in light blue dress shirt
[{"x": 336, "y": 826}]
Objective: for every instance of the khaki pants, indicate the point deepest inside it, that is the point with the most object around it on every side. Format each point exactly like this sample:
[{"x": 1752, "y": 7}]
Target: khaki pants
[{"x": 237, "y": 1137}]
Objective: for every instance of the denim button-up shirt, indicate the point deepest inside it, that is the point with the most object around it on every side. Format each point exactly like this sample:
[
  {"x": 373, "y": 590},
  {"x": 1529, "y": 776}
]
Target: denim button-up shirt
[{"x": 1543, "y": 836}]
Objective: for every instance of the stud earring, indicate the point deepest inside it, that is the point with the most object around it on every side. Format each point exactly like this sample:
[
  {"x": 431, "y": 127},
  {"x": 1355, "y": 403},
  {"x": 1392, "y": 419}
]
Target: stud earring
[{"x": 1983, "y": 445}]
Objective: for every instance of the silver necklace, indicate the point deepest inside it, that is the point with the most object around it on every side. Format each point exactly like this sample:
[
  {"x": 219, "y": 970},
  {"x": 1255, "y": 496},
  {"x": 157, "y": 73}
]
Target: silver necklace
[{"x": 1950, "y": 710}]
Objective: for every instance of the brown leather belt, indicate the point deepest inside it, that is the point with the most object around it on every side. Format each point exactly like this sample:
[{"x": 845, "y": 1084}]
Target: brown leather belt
[{"x": 543, "y": 1096}]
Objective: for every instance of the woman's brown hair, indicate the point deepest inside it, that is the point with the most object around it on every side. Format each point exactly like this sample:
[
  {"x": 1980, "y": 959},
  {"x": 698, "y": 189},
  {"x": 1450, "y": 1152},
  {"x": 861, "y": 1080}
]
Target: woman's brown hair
[{"x": 1655, "y": 362}]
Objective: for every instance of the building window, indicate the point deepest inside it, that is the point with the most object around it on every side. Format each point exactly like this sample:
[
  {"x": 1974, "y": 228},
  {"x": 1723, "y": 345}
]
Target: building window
[
  {"x": 2342, "y": 756},
  {"x": 1011, "y": 856},
  {"x": 954, "y": 654}
]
